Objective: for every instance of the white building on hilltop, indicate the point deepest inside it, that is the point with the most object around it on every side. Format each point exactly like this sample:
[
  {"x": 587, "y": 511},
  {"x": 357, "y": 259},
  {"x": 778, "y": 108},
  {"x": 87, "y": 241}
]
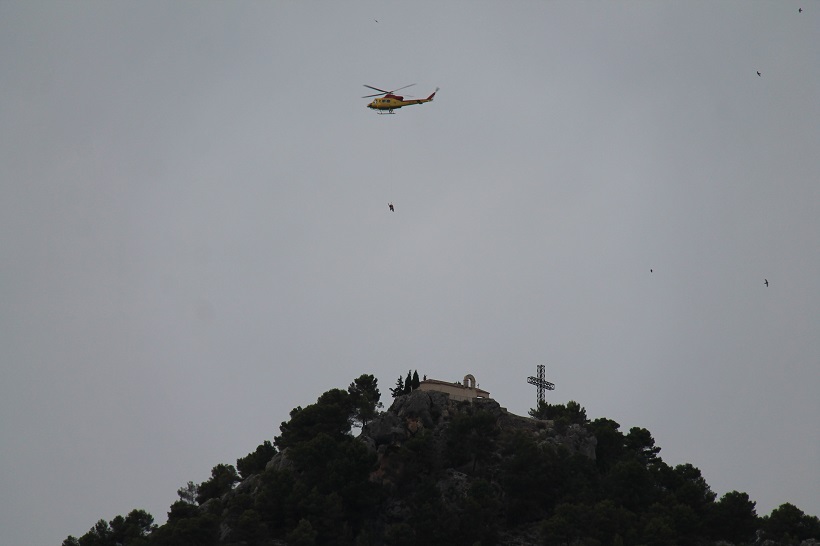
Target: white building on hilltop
[{"x": 465, "y": 391}]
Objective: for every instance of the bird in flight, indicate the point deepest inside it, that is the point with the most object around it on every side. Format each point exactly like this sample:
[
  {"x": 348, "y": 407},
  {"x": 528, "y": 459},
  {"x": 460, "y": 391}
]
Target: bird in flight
[
  {"x": 799, "y": 10},
  {"x": 390, "y": 205},
  {"x": 650, "y": 271},
  {"x": 758, "y": 73},
  {"x": 766, "y": 282}
]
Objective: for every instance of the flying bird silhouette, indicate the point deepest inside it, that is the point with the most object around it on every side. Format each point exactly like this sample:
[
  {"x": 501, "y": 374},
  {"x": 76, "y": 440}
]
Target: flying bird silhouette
[
  {"x": 391, "y": 207},
  {"x": 758, "y": 73},
  {"x": 799, "y": 10},
  {"x": 766, "y": 282}
]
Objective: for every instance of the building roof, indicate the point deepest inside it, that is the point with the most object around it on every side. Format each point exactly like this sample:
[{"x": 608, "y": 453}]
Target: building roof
[{"x": 433, "y": 383}]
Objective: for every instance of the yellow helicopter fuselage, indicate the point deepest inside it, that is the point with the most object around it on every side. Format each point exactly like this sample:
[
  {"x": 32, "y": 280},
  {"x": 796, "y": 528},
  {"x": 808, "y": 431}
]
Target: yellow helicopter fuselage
[{"x": 394, "y": 102}]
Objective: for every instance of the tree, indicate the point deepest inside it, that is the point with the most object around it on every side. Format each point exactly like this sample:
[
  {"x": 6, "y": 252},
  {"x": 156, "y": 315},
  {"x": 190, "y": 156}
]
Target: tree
[
  {"x": 399, "y": 390},
  {"x": 787, "y": 523},
  {"x": 733, "y": 518},
  {"x": 254, "y": 463},
  {"x": 576, "y": 413},
  {"x": 126, "y": 530},
  {"x": 465, "y": 481},
  {"x": 610, "y": 447},
  {"x": 471, "y": 438},
  {"x": 572, "y": 413},
  {"x": 568, "y": 525},
  {"x": 365, "y": 395},
  {"x": 188, "y": 492},
  {"x": 182, "y": 510},
  {"x": 223, "y": 478},
  {"x": 601, "y": 523},
  {"x": 303, "y": 534},
  {"x": 275, "y": 500},
  {"x": 611, "y": 522},
  {"x": 642, "y": 444},
  {"x": 690, "y": 488},
  {"x": 339, "y": 467},
  {"x": 417, "y": 457},
  {"x": 530, "y": 477},
  {"x": 248, "y": 528},
  {"x": 331, "y": 414},
  {"x": 99, "y": 535},
  {"x": 406, "y": 385},
  {"x": 432, "y": 520},
  {"x": 630, "y": 484},
  {"x": 659, "y": 531},
  {"x": 186, "y": 526},
  {"x": 479, "y": 514}
]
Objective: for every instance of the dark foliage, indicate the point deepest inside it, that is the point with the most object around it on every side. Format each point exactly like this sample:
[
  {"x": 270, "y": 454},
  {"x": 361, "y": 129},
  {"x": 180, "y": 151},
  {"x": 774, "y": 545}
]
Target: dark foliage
[
  {"x": 365, "y": 397},
  {"x": 734, "y": 518},
  {"x": 789, "y": 525},
  {"x": 471, "y": 439},
  {"x": 223, "y": 478},
  {"x": 331, "y": 414},
  {"x": 254, "y": 463},
  {"x": 399, "y": 389},
  {"x": 406, "y": 385},
  {"x": 466, "y": 481},
  {"x": 132, "y": 530}
]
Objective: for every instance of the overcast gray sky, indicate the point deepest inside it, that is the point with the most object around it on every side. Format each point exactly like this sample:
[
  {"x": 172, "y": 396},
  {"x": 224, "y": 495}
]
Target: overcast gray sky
[{"x": 196, "y": 239}]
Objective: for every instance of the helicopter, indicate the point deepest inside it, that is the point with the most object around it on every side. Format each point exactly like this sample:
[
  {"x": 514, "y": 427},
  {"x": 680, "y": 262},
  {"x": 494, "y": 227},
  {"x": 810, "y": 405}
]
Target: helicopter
[{"x": 389, "y": 102}]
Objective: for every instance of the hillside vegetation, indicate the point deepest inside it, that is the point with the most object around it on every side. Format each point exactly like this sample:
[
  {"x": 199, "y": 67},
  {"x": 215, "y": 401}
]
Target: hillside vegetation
[{"x": 431, "y": 471}]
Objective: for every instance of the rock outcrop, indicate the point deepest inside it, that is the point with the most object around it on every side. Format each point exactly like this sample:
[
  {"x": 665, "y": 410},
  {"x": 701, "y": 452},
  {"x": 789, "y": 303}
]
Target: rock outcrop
[{"x": 419, "y": 410}]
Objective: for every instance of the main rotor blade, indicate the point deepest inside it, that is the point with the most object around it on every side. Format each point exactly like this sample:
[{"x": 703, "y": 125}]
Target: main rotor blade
[
  {"x": 376, "y": 95},
  {"x": 377, "y": 89},
  {"x": 405, "y": 87}
]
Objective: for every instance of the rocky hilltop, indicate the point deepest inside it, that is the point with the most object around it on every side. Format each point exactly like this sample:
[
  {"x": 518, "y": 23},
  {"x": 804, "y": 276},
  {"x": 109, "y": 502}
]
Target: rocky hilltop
[
  {"x": 434, "y": 411},
  {"x": 437, "y": 471}
]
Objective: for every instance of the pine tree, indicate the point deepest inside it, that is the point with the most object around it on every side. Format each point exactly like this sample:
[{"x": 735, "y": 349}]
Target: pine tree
[
  {"x": 399, "y": 390},
  {"x": 364, "y": 392}
]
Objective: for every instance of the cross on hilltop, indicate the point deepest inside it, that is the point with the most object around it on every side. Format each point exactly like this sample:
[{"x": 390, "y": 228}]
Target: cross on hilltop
[{"x": 541, "y": 383}]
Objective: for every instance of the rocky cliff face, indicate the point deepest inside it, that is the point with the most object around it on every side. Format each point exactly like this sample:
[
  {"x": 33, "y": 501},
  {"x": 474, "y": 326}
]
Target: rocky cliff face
[{"x": 411, "y": 413}]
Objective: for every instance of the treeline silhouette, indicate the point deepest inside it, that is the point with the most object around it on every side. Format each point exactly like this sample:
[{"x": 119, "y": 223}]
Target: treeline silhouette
[{"x": 464, "y": 481}]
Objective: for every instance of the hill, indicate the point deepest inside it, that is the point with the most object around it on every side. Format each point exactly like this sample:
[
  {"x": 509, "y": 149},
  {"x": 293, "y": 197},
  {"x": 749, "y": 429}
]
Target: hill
[{"x": 437, "y": 471}]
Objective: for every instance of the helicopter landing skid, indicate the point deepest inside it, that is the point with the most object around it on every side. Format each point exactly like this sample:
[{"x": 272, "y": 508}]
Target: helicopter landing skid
[{"x": 385, "y": 113}]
